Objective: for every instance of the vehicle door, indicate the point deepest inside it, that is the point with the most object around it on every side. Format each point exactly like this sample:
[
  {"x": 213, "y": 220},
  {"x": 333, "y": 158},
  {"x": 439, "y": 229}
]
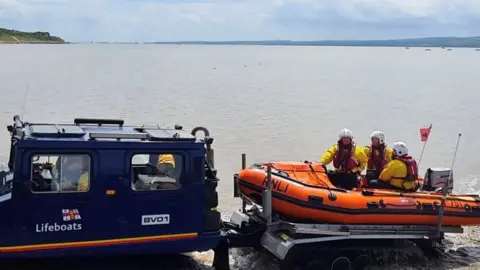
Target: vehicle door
[
  {"x": 163, "y": 202},
  {"x": 56, "y": 204}
]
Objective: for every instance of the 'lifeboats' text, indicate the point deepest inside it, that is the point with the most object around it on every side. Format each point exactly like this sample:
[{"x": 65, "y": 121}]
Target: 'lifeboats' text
[{"x": 46, "y": 227}]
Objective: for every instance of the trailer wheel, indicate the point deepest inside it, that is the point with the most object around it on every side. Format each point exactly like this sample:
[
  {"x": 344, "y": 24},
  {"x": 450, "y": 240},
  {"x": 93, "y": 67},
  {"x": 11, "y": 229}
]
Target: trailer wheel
[{"x": 340, "y": 263}]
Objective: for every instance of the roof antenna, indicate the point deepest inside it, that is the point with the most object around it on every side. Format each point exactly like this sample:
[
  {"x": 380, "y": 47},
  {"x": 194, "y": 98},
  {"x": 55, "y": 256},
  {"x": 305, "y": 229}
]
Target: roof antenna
[{"x": 25, "y": 100}]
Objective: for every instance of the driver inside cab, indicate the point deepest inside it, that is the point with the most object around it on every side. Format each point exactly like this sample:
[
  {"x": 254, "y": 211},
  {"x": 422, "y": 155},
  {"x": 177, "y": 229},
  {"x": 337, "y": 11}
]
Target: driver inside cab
[
  {"x": 74, "y": 173},
  {"x": 165, "y": 168}
]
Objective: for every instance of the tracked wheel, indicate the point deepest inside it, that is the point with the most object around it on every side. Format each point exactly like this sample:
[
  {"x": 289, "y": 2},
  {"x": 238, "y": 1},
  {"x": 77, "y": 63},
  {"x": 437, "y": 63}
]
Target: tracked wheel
[
  {"x": 360, "y": 262},
  {"x": 292, "y": 260},
  {"x": 314, "y": 264},
  {"x": 304, "y": 258},
  {"x": 340, "y": 263}
]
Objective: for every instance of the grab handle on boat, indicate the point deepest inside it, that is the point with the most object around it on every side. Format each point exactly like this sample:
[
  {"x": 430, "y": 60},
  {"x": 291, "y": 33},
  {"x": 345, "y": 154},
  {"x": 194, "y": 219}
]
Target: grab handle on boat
[{"x": 465, "y": 198}]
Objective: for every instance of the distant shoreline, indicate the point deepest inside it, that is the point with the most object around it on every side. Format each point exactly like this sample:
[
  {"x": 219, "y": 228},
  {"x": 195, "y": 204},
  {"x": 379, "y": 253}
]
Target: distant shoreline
[
  {"x": 18, "y": 37},
  {"x": 472, "y": 42},
  {"x": 451, "y": 42}
]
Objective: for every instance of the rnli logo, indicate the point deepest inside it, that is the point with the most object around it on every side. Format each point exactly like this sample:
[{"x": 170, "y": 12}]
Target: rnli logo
[{"x": 71, "y": 214}]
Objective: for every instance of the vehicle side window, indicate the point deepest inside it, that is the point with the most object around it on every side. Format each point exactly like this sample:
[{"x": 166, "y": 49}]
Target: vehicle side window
[
  {"x": 60, "y": 173},
  {"x": 160, "y": 171}
]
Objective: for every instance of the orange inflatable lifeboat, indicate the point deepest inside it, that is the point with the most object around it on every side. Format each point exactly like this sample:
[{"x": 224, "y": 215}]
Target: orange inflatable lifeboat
[{"x": 301, "y": 191}]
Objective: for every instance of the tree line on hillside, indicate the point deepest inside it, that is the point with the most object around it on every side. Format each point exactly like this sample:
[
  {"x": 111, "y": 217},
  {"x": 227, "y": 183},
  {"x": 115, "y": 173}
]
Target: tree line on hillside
[{"x": 15, "y": 36}]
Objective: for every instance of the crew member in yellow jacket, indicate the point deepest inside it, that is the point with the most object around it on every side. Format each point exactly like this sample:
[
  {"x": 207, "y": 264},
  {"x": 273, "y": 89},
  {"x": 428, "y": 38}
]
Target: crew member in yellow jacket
[
  {"x": 83, "y": 182},
  {"x": 400, "y": 173},
  {"x": 165, "y": 160},
  {"x": 165, "y": 167},
  {"x": 75, "y": 173},
  {"x": 348, "y": 160},
  {"x": 378, "y": 155}
]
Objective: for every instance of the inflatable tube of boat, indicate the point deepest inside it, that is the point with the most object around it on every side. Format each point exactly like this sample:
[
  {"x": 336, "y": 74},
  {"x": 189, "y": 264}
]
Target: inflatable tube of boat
[{"x": 301, "y": 192}]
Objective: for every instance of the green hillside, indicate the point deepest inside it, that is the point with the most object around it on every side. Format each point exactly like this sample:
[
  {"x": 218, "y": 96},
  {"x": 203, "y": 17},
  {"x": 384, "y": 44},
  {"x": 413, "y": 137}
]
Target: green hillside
[{"x": 15, "y": 36}]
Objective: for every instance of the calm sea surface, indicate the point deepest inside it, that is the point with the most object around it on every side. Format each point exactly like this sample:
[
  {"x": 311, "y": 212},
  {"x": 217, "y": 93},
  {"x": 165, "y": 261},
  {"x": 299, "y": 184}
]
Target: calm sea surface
[{"x": 273, "y": 103}]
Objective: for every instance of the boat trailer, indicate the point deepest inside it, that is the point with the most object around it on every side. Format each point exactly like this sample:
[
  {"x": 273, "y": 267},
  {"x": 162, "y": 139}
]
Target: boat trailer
[{"x": 340, "y": 246}]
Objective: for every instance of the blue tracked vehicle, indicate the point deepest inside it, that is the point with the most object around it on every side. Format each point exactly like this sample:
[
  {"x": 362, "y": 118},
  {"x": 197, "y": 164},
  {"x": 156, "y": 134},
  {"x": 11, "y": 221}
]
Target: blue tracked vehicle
[{"x": 99, "y": 187}]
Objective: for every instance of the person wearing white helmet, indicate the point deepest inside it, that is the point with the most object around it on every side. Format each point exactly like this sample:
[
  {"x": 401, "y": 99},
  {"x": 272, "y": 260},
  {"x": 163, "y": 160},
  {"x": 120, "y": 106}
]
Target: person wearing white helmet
[
  {"x": 348, "y": 160},
  {"x": 378, "y": 155},
  {"x": 400, "y": 173}
]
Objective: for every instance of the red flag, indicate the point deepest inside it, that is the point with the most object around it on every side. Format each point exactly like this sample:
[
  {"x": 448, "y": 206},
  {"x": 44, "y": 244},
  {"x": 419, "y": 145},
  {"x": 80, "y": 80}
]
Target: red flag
[{"x": 424, "y": 133}]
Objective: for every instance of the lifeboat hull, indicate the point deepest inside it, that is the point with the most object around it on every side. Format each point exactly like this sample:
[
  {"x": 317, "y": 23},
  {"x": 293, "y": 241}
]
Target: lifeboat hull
[{"x": 303, "y": 192}]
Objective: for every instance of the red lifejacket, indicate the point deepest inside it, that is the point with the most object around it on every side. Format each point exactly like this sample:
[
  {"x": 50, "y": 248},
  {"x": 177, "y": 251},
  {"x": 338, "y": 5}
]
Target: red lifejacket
[
  {"x": 412, "y": 169},
  {"x": 343, "y": 158},
  {"x": 375, "y": 162}
]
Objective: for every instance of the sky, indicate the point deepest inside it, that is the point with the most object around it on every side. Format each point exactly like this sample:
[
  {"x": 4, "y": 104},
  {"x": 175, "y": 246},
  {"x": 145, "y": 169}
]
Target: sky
[{"x": 216, "y": 20}]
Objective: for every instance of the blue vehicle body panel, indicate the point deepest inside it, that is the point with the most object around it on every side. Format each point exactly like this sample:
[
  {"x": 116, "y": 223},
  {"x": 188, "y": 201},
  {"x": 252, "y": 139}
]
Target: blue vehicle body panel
[{"x": 108, "y": 217}]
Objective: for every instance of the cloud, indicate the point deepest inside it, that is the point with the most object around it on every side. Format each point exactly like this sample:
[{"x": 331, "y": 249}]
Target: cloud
[{"x": 156, "y": 20}]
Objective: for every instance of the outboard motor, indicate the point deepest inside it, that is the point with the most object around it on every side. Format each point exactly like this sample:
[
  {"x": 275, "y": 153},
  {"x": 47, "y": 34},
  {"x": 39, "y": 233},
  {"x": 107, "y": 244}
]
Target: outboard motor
[{"x": 435, "y": 179}]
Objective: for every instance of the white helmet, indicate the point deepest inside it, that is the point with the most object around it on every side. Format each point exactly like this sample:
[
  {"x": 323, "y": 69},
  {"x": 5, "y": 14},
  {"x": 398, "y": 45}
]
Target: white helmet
[
  {"x": 345, "y": 133},
  {"x": 379, "y": 135},
  {"x": 400, "y": 148}
]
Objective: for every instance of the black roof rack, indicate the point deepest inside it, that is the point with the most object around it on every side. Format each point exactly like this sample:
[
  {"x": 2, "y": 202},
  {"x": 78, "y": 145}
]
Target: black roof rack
[
  {"x": 169, "y": 135},
  {"x": 56, "y": 131},
  {"x": 149, "y": 134},
  {"x": 79, "y": 121},
  {"x": 118, "y": 135}
]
